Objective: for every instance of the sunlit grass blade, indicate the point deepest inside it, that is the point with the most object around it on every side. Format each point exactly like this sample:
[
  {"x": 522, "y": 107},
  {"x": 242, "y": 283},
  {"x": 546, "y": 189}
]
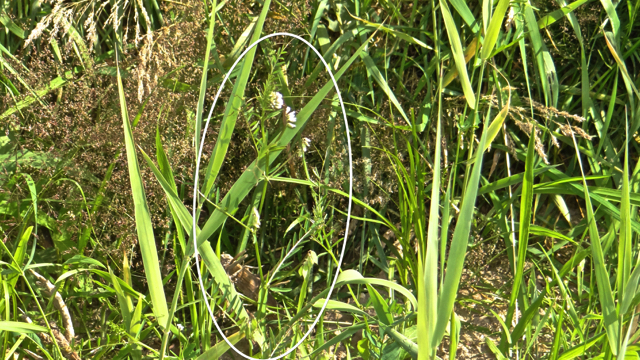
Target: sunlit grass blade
[
  {"x": 377, "y": 76},
  {"x": 458, "y": 54},
  {"x": 144, "y": 227},
  {"x": 546, "y": 68},
  {"x": 526, "y": 203},
  {"x": 625, "y": 242},
  {"x": 469, "y": 52},
  {"x": 203, "y": 80},
  {"x": 560, "y": 13},
  {"x": 126, "y": 306},
  {"x": 628, "y": 80},
  {"x": 607, "y": 304},
  {"x": 458, "y": 249},
  {"x": 494, "y": 29},
  {"x": 232, "y": 109},
  {"x": 466, "y": 14},
  {"x": 428, "y": 258},
  {"x": 496, "y": 124},
  {"x": 220, "y": 348},
  {"x": 206, "y": 252},
  {"x": 21, "y": 328}
]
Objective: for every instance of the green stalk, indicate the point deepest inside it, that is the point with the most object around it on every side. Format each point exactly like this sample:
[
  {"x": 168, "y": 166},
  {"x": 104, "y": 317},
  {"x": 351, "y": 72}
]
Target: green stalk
[
  {"x": 460, "y": 240},
  {"x": 174, "y": 303}
]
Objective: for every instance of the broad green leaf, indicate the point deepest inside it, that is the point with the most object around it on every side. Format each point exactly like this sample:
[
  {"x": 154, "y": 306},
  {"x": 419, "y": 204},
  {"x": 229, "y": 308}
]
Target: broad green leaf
[
  {"x": 345, "y": 334},
  {"x": 469, "y": 52},
  {"x": 428, "y": 262},
  {"x": 542, "y": 231},
  {"x": 126, "y": 306},
  {"x": 211, "y": 260},
  {"x": 580, "y": 349},
  {"x": 80, "y": 259},
  {"x": 625, "y": 242},
  {"x": 511, "y": 180},
  {"x": 18, "y": 257},
  {"x": 613, "y": 16},
  {"x": 126, "y": 288}
]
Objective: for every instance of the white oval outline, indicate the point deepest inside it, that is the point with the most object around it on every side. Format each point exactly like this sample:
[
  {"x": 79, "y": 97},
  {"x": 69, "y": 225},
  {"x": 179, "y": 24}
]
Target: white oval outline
[{"x": 195, "y": 197}]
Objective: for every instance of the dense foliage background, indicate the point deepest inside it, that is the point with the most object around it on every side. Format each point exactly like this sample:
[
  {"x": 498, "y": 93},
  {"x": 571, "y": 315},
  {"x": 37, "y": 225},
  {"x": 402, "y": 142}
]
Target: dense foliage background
[{"x": 493, "y": 148}]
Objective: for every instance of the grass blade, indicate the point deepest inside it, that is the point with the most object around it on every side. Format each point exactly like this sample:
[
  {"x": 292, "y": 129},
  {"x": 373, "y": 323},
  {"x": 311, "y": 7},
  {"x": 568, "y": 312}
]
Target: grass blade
[
  {"x": 546, "y": 68},
  {"x": 559, "y": 14},
  {"x": 458, "y": 54},
  {"x": 377, "y": 76},
  {"x": 143, "y": 218},
  {"x": 526, "y": 203},
  {"x": 457, "y": 252},
  {"x": 466, "y": 14},
  {"x": 203, "y": 80},
  {"x": 605, "y": 293},
  {"x": 233, "y": 106},
  {"x": 22, "y": 328},
  {"x": 494, "y": 29}
]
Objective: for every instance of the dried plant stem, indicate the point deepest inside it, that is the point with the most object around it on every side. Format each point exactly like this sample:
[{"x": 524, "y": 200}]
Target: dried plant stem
[
  {"x": 66, "y": 349},
  {"x": 58, "y": 302}
]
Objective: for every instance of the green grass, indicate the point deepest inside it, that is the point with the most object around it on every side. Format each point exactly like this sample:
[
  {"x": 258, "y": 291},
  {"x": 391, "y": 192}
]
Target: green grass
[{"x": 495, "y": 157}]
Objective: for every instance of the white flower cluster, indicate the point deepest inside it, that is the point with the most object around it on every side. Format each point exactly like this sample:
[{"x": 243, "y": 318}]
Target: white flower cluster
[
  {"x": 276, "y": 100},
  {"x": 306, "y": 142},
  {"x": 277, "y": 103},
  {"x": 291, "y": 118}
]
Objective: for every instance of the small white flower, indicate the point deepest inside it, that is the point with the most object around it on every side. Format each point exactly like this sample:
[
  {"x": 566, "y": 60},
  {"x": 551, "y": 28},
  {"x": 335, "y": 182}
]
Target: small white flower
[
  {"x": 180, "y": 327},
  {"x": 291, "y": 118},
  {"x": 276, "y": 100},
  {"x": 306, "y": 142}
]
